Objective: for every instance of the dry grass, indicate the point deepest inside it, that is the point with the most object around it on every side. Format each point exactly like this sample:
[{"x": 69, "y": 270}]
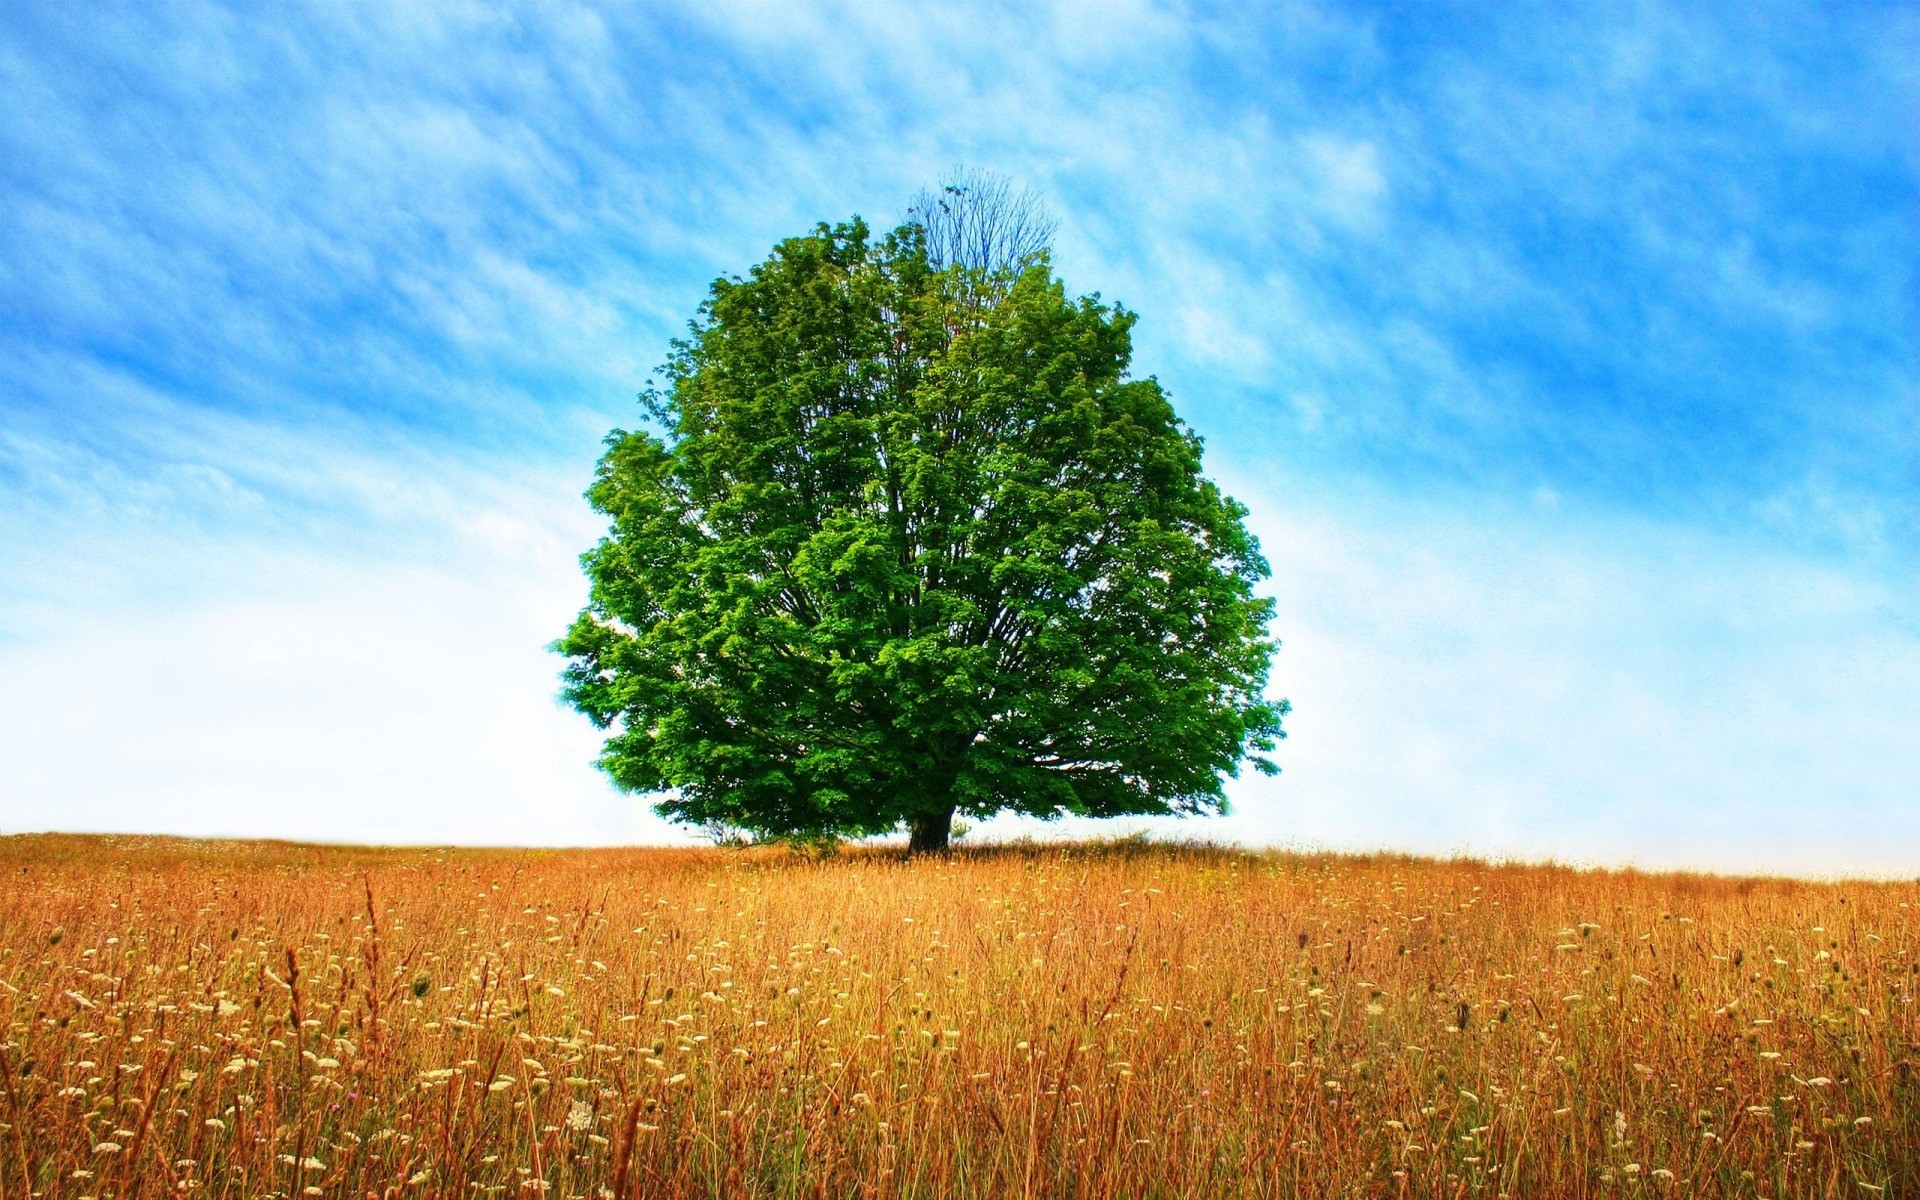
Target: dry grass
[{"x": 246, "y": 1020}]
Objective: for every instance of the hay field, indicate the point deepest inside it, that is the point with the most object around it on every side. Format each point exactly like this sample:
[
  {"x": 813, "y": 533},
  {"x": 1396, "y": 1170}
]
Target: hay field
[{"x": 251, "y": 1020}]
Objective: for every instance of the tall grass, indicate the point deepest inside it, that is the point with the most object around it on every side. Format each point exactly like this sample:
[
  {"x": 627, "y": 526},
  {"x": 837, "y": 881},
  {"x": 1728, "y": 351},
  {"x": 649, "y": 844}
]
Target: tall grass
[{"x": 247, "y": 1020}]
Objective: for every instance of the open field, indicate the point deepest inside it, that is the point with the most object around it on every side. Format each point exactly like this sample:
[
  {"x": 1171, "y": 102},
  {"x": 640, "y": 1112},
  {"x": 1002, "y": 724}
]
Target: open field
[{"x": 244, "y": 1020}]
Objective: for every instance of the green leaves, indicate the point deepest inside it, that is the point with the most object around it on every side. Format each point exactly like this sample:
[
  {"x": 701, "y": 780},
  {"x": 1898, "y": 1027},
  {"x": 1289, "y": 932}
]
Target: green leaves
[{"x": 901, "y": 554}]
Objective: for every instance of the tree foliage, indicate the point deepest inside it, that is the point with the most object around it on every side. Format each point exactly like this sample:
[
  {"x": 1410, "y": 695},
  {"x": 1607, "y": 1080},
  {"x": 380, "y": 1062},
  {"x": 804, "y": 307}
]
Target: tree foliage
[{"x": 894, "y": 553}]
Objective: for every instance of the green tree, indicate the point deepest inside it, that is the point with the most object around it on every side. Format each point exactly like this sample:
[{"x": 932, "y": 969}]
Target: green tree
[{"x": 910, "y": 543}]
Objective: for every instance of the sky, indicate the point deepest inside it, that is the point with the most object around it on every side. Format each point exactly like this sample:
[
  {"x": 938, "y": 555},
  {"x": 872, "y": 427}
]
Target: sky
[{"x": 1566, "y": 356}]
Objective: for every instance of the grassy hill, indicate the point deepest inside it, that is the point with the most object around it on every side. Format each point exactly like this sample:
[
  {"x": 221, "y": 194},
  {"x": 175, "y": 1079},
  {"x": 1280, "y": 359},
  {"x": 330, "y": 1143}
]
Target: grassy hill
[{"x": 247, "y": 1019}]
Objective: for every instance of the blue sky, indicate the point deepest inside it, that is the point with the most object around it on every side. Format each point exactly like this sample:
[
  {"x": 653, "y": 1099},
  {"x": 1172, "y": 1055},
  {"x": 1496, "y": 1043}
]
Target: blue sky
[{"x": 1567, "y": 356}]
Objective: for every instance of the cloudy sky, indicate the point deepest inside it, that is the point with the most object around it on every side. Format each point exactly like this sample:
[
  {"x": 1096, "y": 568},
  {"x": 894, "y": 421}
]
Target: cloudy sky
[{"x": 1568, "y": 357}]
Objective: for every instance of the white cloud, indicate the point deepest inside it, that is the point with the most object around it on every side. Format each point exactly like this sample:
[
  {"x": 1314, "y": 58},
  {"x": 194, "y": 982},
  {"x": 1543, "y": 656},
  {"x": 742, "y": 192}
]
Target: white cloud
[
  {"x": 376, "y": 707},
  {"x": 1506, "y": 682},
  {"x": 403, "y": 696},
  {"x": 1514, "y": 683},
  {"x": 1353, "y": 185}
]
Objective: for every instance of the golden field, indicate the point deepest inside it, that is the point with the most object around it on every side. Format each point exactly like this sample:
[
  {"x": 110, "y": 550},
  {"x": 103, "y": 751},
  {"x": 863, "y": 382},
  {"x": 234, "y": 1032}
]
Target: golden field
[{"x": 250, "y": 1020}]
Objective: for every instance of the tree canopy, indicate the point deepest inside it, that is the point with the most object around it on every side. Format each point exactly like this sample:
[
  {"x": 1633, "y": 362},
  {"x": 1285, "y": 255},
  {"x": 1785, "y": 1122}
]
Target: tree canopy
[{"x": 907, "y": 541}]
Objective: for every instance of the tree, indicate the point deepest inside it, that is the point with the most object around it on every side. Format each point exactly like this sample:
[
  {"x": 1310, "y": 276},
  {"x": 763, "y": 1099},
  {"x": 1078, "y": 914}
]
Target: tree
[{"x": 908, "y": 541}]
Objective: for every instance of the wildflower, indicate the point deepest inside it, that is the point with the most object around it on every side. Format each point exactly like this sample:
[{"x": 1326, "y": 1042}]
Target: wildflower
[
  {"x": 106, "y": 1148},
  {"x": 580, "y": 1116}
]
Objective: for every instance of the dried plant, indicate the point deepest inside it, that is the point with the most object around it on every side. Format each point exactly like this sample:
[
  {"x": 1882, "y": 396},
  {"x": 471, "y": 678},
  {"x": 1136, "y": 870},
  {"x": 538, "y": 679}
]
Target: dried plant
[{"x": 238, "y": 1020}]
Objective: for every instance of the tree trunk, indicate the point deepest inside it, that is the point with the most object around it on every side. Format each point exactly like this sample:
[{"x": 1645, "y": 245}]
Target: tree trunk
[{"x": 930, "y": 832}]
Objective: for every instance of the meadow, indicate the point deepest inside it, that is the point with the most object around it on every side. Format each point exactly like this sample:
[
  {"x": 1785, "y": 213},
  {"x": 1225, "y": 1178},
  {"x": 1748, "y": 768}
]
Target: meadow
[{"x": 249, "y": 1020}]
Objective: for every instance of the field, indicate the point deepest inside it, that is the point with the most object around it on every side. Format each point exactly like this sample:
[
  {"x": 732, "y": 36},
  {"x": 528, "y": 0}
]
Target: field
[{"x": 248, "y": 1020}]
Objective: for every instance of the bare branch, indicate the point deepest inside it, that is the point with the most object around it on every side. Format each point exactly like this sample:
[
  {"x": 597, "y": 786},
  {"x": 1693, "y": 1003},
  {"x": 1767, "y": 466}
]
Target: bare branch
[{"x": 978, "y": 220}]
